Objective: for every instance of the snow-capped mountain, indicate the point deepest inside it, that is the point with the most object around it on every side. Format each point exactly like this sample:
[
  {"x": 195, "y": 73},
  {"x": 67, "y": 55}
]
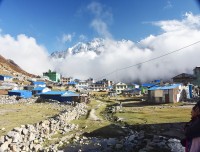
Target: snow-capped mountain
[{"x": 96, "y": 45}]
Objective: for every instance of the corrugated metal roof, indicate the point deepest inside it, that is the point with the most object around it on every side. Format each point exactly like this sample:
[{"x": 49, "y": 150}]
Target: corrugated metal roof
[
  {"x": 72, "y": 82},
  {"x": 19, "y": 91},
  {"x": 38, "y": 82},
  {"x": 148, "y": 84},
  {"x": 38, "y": 88},
  {"x": 6, "y": 76},
  {"x": 54, "y": 92},
  {"x": 70, "y": 93},
  {"x": 165, "y": 87}
]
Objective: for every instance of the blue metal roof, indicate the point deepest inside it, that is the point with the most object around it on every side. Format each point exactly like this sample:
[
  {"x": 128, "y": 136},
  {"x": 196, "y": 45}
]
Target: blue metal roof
[
  {"x": 19, "y": 91},
  {"x": 148, "y": 84},
  {"x": 70, "y": 93},
  {"x": 38, "y": 88},
  {"x": 72, "y": 82},
  {"x": 38, "y": 82},
  {"x": 157, "y": 81},
  {"x": 54, "y": 92},
  {"x": 7, "y": 76},
  {"x": 165, "y": 87}
]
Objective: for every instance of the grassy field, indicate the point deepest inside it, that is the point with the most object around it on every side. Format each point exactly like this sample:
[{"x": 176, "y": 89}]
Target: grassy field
[
  {"x": 136, "y": 112},
  {"x": 154, "y": 114},
  {"x": 14, "y": 115},
  {"x": 133, "y": 113}
]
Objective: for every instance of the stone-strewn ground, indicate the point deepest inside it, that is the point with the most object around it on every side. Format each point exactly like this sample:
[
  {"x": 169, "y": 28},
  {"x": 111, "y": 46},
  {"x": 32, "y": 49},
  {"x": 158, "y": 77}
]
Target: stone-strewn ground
[{"x": 135, "y": 142}]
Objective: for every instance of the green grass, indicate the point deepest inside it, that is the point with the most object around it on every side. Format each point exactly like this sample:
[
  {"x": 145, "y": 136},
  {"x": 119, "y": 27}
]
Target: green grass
[
  {"x": 15, "y": 115},
  {"x": 152, "y": 115}
]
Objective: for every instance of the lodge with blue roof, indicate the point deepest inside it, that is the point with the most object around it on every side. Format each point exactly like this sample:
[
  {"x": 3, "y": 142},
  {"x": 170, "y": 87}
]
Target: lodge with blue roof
[
  {"x": 5, "y": 77},
  {"x": 165, "y": 94},
  {"x": 61, "y": 96},
  {"x": 20, "y": 93}
]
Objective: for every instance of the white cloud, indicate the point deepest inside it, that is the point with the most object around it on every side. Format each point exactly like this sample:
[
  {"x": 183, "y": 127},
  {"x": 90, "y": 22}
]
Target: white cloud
[
  {"x": 67, "y": 38},
  {"x": 117, "y": 55},
  {"x": 82, "y": 38},
  {"x": 102, "y": 17},
  {"x": 168, "y": 5},
  {"x": 96, "y": 8},
  {"x": 25, "y": 51},
  {"x": 101, "y": 28},
  {"x": 189, "y": 22}
]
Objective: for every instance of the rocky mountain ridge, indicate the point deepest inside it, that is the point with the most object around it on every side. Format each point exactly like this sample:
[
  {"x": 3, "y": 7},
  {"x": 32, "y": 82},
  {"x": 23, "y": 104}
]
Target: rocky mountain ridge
[
  {"x": 95, "y": 45},
  {"x": 9, "y": 67}
]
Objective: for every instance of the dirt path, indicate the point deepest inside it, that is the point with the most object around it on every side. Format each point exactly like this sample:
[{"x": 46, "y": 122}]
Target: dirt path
[{"x": 92, "y": 115}]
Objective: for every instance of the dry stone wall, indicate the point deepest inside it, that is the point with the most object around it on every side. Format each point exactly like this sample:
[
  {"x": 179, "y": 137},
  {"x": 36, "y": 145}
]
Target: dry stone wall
[
  {"x": 31, "y": 137},
  {"x": 5, "y": 99}
]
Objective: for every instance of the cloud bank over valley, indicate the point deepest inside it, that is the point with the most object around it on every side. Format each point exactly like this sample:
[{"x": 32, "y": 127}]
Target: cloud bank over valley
[{"x": 114, "y": 59}]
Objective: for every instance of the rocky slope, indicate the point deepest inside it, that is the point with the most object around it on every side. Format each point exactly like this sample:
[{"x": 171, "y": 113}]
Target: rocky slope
[{"x": 9, "y": 67}]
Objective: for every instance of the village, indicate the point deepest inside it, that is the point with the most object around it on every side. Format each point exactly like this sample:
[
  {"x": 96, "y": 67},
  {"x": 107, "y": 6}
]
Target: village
[
  {"x": 89, "y": 109},
  {"x": 52, "y": 85}
]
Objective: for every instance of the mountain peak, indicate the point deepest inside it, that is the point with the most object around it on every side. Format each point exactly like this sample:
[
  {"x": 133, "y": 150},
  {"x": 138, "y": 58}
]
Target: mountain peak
[{"x": 95, "y": 46}]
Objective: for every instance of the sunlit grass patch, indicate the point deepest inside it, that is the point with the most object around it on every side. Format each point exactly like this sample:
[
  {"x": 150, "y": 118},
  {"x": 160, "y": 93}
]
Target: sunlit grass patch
[{"x": 154, "y": 115}]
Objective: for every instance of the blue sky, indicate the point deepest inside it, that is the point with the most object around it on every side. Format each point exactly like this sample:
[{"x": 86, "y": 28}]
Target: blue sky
[
  {"x": 30, "y": 30},
  {"x": 60, "y": 24}
]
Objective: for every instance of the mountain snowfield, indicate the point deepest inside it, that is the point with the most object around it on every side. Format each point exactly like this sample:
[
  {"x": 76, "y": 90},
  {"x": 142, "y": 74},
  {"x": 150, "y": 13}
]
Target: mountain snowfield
[{"x": 96, "y": 46}]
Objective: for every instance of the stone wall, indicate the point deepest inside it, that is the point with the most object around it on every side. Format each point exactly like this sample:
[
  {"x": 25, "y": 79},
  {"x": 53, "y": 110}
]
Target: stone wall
[
  {"x": 5, "y": 99},
  {"x": 31, "y": 137}
]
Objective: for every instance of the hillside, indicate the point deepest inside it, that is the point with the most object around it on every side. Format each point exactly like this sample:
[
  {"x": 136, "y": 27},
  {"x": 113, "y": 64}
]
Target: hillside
[{"x": 9, "y": 67}]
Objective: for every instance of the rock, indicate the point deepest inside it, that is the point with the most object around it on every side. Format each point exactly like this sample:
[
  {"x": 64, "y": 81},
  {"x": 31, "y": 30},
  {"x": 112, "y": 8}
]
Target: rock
[
  {"x": 4, "y": 147},
  {"x": 37, "y": 147},
  {"x": 11, "y": 134},
  {"x": 131, "y": 138},
  {"x": 13, "y": 148},
  {"x": 31, "y": 128},
  {"x": 17, "y": 138},
  {"x": 8, "y": 139},
  {"x": 31, "y": 136},
  {"x": 24, "y": 131},
  {"x": 111, "y": 141},
  {"x": 17, "y": 129},
  {"x": 118, "y": 146}
]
